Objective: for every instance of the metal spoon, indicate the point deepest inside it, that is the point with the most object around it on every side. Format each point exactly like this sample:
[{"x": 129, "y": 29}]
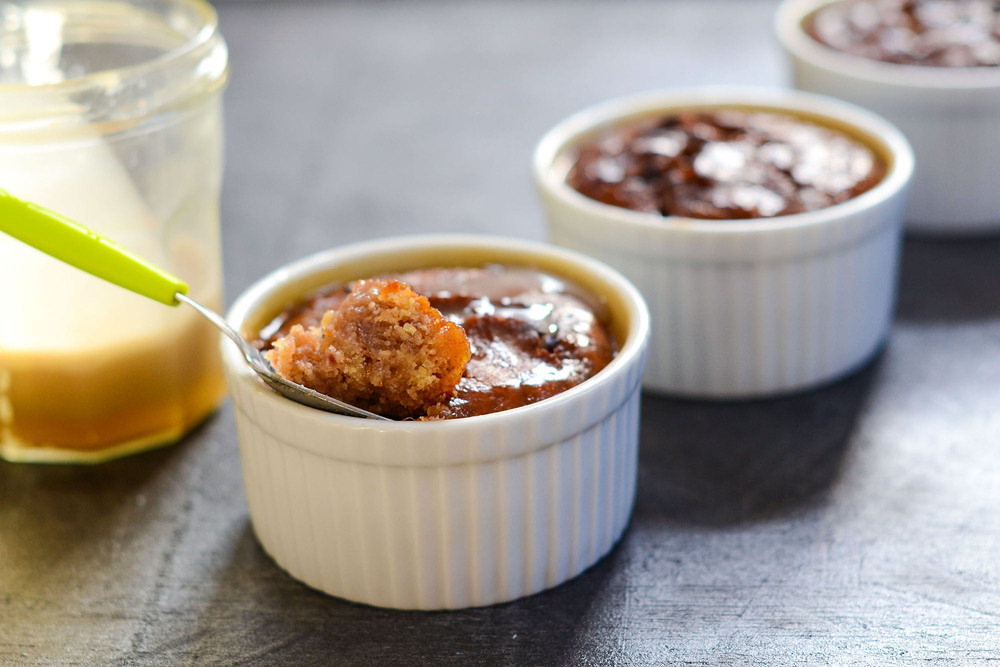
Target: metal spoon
[{"x": 71, "y": 242}]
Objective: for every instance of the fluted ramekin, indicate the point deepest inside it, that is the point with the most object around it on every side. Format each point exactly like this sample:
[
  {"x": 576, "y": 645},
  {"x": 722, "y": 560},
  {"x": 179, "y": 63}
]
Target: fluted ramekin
[
  {"x": 950, "y": 115},
  {"x": 744, "y": 308},
  {"x": 447, "y": 514}
]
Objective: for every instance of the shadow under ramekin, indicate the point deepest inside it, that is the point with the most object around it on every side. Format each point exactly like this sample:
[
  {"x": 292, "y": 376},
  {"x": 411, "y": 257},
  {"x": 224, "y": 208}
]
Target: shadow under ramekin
[
  {"x": 728, "y": 462},
  {"x": 949, "y": 280}
]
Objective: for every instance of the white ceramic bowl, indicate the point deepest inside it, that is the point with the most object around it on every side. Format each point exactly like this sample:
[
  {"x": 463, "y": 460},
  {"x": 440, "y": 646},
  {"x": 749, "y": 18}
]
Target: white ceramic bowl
[
  {"x": 448, "y": 514},
  {"x": 744, "y": 308},
  {"x": 950, "y": 115}
]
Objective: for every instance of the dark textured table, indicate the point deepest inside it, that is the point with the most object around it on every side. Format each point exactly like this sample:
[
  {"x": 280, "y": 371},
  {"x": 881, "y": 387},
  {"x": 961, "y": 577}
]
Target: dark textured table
[{"x": 857, "y": 524}]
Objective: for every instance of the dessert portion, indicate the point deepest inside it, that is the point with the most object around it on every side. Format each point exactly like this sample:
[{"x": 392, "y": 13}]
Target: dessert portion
[
  {"x": 530, "y": 335},
  {"x": 935, "y": 33},
  {"x": 382, "y": 348},
  {"x": 724, "y": 164}
]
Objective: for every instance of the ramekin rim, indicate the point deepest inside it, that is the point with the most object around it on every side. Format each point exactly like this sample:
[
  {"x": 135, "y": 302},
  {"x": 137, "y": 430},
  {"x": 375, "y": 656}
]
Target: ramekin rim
[
  {"x": 789, "y": 30},
  {"x": 607, "y": 112},
  {"x": 628, "y": 353}
]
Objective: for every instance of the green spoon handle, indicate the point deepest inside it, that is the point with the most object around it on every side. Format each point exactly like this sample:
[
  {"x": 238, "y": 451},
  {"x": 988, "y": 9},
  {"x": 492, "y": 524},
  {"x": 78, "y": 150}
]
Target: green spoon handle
[{"x": 78, "y": 246}]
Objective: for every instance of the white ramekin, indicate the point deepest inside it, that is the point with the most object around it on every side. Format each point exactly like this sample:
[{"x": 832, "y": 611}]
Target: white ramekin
[
  {"x": 449, "y": 514},
  {"x": 744, "y": 308},
  {"x": 950, "y": 115}
]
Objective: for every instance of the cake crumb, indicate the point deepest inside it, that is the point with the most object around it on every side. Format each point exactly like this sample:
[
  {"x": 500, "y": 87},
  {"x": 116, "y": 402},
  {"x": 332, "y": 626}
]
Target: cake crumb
[{"x": 384, "y": 348}]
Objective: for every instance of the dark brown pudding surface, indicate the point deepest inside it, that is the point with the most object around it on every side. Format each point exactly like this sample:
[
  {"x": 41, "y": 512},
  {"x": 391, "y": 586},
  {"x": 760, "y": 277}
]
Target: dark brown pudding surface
[
  {"x": 935, "y": 33},
  {"x": 724, "y": 164},
  {"x": 532, "y": 335}
]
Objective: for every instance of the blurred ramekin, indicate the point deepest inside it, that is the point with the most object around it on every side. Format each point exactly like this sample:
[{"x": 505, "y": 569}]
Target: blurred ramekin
[
  {"x": 950, "y": 115},
  {"x": 744, "y": 308},
  {"x": 448, "y": 514}
]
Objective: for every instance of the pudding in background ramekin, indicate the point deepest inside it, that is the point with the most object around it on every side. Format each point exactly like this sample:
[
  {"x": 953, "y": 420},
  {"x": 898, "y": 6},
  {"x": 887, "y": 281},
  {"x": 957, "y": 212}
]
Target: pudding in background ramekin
[
  {"x": 753, "y": 307},
  {"x": 441, "y": 514},
  {"x": 951, "y": 115}
]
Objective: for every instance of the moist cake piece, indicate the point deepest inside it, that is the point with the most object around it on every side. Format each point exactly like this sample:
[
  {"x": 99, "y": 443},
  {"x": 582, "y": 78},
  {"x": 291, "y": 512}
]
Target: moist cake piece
[
  {"x": 532, "y": 334},
  {"x": 383, "y": 348}
]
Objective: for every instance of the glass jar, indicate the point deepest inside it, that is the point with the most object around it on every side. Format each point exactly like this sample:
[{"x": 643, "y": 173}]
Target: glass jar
[{"x": 110, "y": 113}]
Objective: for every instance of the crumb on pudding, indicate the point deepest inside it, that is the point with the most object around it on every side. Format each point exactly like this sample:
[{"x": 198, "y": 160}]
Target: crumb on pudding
[{"x": 383, "y": 348}]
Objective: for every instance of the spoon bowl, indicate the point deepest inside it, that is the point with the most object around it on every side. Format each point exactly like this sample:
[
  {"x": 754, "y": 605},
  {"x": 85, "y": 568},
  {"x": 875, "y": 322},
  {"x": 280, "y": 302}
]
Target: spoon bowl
[{"x": 74, "y": 244}]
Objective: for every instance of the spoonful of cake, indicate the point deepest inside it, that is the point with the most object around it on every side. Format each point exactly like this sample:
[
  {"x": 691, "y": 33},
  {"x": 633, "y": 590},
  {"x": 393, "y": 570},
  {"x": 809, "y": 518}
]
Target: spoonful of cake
[
  {"x": 383, "y": 348},
  {"x": 365, "y": 352}
]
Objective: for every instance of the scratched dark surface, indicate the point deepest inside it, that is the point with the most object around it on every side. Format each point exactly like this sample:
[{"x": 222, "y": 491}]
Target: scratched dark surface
[{"x": 857, "y": 524}]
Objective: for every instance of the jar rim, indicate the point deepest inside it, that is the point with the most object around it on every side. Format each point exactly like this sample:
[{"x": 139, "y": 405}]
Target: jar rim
[
  {"x": 48, "y": 103},
  {"x": 209, "y": 23}
]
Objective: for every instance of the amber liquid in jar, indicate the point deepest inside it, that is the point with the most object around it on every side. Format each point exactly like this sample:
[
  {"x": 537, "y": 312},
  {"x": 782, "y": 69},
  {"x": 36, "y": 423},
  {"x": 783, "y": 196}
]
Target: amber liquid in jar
[{"x": 119, "y": 127}]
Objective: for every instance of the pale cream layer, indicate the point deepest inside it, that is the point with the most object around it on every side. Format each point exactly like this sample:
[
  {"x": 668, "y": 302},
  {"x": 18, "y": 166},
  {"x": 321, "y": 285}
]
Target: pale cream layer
[{"x": 86, "y": 366}]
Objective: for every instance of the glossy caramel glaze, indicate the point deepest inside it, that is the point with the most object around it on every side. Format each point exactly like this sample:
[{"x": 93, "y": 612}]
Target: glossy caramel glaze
[
  {"x": 724, "y": 164},
  {"x": 935, "y": 33},
  {"x": 533, "y": 335}
]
